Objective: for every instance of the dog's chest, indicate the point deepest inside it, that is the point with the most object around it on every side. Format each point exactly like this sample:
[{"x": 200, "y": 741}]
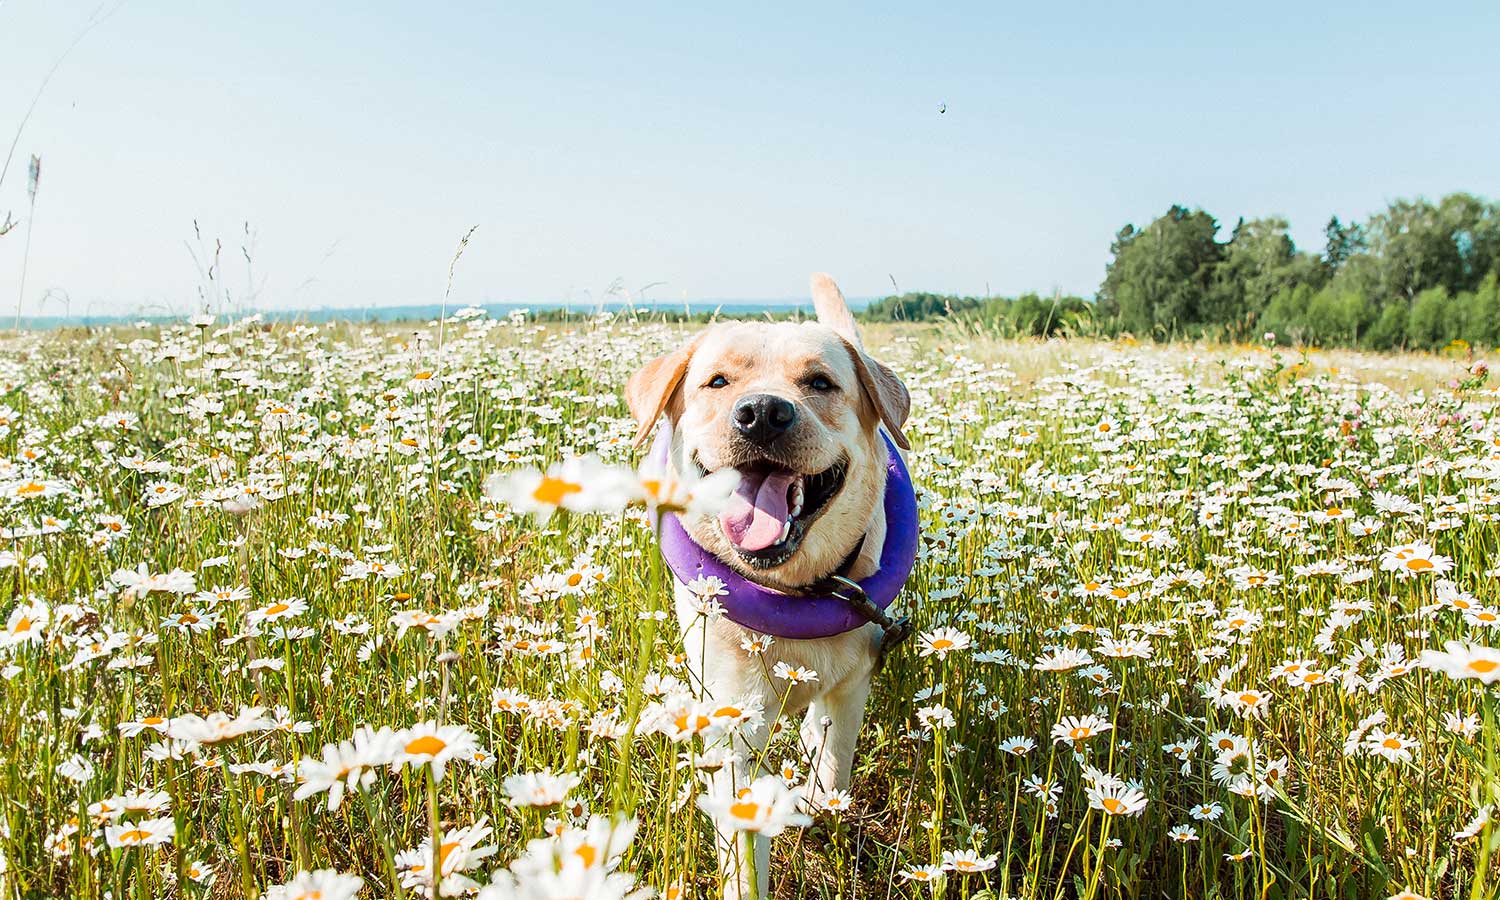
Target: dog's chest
[{"x": 724, "y": 657}]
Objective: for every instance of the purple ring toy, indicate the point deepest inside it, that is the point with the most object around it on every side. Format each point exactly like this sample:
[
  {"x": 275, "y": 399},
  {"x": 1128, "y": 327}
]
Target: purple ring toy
[{"x": 793, "y": 616}]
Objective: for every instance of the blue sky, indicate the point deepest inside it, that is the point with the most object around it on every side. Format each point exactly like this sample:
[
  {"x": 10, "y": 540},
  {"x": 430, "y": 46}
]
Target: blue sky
[{"x": 726, "y": 151}]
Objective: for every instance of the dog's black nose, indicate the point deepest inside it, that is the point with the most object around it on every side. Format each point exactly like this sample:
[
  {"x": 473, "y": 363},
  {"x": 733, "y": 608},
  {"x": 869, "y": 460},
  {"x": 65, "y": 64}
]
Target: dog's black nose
[{"x": 762, "y": 418}]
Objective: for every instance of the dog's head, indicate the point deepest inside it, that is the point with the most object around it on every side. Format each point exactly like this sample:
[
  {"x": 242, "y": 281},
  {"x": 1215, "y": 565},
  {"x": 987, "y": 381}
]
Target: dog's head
[{"x": 796, "y": 410}]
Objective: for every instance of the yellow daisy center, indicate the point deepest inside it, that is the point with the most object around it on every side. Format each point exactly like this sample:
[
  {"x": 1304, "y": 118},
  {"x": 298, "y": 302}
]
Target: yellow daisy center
[
  {"x": 427, "y": 744},
  {"x": 588, "y": 853},
  {"x": 692, "y": 723},
  {"x": 552, "y": 490}
]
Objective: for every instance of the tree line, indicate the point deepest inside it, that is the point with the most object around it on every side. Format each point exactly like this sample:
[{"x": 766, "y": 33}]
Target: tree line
[{"x": 1416, "y": 275}]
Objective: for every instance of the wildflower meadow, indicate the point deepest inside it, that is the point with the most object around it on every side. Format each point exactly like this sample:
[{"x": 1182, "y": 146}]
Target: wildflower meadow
[{"x": 376, "y": 611}]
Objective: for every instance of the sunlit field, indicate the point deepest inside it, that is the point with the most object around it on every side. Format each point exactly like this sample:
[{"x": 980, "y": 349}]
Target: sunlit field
[{"x": 1194, "y": 621}]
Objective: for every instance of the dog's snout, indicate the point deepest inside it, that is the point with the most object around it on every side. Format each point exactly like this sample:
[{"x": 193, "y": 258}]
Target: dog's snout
[{"x": 762, "y": 418}]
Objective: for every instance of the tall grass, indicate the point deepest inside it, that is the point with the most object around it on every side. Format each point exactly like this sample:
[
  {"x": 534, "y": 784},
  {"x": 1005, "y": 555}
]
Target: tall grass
[{"x": 342, "y": 465}]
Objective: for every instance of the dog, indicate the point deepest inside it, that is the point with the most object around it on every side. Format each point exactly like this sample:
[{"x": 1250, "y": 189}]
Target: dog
[{"x": 801, "y": 413}]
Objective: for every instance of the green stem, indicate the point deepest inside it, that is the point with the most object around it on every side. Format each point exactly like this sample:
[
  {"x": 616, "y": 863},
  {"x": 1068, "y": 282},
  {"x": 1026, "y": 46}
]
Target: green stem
[
  {"x": 752, "y": 864},
  {"x": 435, "y": 829},
  {"x": 241, "y": 843},
  {"x": 385, "y": 844}
]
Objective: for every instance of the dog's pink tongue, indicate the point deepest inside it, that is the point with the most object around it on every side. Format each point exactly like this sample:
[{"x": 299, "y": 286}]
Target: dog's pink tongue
[{"x": 756, "y": 513}]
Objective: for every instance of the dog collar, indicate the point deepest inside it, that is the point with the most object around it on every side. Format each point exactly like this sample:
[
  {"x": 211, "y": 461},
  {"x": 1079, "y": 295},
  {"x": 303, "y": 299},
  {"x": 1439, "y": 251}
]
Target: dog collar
[{"x": 797, "y": 616}]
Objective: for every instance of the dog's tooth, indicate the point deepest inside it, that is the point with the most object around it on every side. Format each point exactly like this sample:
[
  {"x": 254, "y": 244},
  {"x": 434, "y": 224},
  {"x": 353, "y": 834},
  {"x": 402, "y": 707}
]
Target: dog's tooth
[{"x": 786, "y": 531}]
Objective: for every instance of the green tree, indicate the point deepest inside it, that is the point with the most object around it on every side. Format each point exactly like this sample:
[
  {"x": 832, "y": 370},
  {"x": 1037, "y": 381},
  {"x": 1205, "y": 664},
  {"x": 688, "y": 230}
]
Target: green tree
[
  {"x": 1482, "y": 325},
  {"x": 1341, "y": 242},
  {"x": 1286, "y": 314},
  {"x": 917, "y": 307},
  {"x": 1432, "y": 322},
  {"x": 1158, "y": 280},
  {"x": 1416, "y": 244},
  {"x": 1260, "y": 261},
  {"x": 1389, "y": 330},
  {"x": 1418, "y": 273},
  {"x": 1336, "y": 317}
]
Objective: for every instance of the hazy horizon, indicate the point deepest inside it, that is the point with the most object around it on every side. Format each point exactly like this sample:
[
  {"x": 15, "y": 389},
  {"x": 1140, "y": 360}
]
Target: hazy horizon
[
  {"x": 424, "y": 310},
  {"x": 702, "y": 154}
]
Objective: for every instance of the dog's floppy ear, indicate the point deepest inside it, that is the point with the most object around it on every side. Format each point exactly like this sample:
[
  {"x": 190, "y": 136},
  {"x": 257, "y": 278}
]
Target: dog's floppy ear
[
  {"x": 832, "y": 310},
  {"x": 886, "y": 391},
  {"x": 648, "y": 391}
]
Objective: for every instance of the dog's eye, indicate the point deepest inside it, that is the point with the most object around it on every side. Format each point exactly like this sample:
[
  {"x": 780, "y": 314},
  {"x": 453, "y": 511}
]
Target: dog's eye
[
  {"x": 820, "y": 383},
  {"x": 718, "y": 381}
]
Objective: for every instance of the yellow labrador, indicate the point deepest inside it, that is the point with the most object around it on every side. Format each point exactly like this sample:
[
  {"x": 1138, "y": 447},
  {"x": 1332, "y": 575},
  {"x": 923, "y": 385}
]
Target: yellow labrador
[{"x": 797, "y": 410}]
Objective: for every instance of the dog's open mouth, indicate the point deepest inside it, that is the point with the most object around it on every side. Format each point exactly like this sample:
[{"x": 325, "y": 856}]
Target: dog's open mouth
[{"x": 772, "y": 508}]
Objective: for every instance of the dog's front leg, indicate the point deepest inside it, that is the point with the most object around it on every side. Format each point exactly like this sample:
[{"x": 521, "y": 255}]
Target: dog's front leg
[
  {"x": 732, "y": 846},
  {"x": 831, "y": 727},
  {"x": 828, "y": 736},
  {"x": 724, "y": 673},
  {"x": 749, "y": 746}
]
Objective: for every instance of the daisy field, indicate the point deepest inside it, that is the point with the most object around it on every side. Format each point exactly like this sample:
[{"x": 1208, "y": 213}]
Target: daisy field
[{"x": 339, "y": 611}]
